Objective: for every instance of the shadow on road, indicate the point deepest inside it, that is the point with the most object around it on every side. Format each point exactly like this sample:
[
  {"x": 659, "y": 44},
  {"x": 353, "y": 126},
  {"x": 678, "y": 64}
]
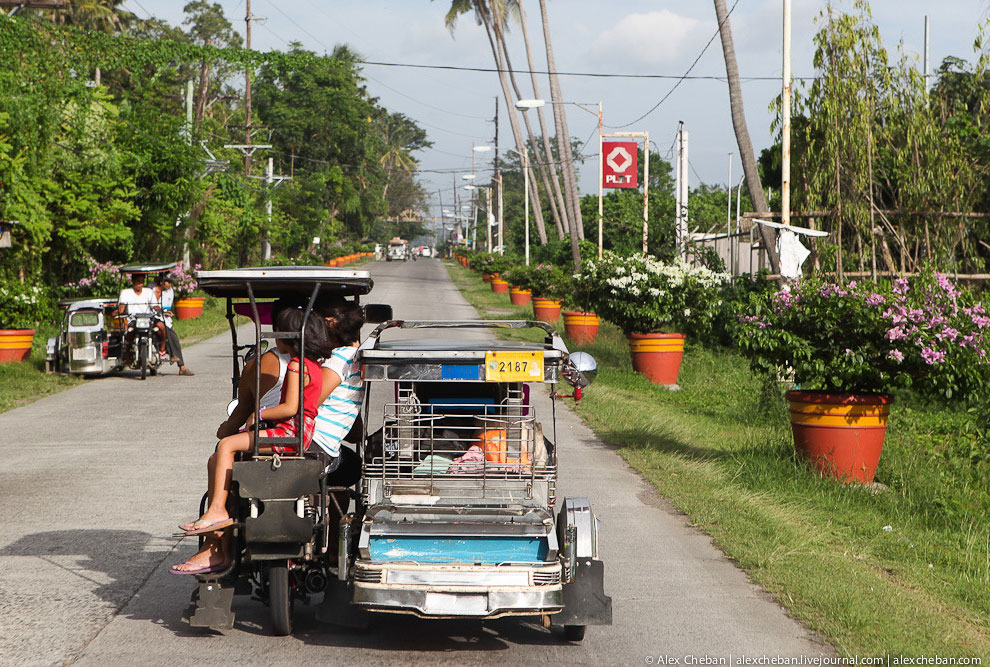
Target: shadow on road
[{"x": 114, "y": 565}]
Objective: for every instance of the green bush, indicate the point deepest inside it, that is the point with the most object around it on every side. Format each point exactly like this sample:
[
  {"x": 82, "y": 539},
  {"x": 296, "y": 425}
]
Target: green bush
[{"x": 23, "y": 305}]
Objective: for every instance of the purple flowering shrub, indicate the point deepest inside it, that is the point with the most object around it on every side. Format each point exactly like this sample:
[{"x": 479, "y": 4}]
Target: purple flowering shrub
[
  {"x": 867, "y": 338},
  {"x": 184, "y": 282},
  {"x": 102, "y": 279}
]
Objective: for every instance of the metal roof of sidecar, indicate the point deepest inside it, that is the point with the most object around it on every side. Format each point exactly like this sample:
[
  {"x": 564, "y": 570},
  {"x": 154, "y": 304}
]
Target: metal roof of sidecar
[
  {"x": 279, "y": 281},
  {"x": 89, "y": 303},
  {"x": 450, "y": 349},
  {"x": 150, "y": 267}
]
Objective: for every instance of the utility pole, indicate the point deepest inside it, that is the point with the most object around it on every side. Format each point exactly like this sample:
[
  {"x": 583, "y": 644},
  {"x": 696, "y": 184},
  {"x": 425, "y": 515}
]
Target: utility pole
[
  {"x": 186, "y": 258},
  {"x": 266, "y": 246},
  {"x": 247, "y": 91},
  {"x": 497, "y": 182},
  {"x": 501, "y": 217},
  {"x": 927, "y": 51},
  {"x": 681, "y": 191},
  {"x": 785, "y": 122}
]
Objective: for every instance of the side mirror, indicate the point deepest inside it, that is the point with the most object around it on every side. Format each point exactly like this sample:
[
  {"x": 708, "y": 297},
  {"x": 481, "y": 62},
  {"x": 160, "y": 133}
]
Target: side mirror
[
  {"x": 581, "y": 369},
  {"x": 231, "y": 407},
  {"x": 376, "y": 313}
]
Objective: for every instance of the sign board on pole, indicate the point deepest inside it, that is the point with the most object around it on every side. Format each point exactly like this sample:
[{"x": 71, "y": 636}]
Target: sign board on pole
[{"x": 619, "y": 169}]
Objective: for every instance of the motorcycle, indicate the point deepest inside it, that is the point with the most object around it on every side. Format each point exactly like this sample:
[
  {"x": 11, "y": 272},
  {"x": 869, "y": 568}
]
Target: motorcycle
[{"x": 141, "y": 343}]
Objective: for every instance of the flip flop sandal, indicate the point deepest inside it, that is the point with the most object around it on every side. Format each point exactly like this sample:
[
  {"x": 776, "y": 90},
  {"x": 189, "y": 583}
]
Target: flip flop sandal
[
  {"x": 199, "y": 569},
  {"x": 219, "y": 525}
]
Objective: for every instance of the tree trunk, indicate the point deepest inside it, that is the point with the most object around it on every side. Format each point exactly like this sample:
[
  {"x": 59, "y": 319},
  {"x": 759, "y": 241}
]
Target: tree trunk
[
  {"x": 743, "y": 141},
  {"x": 491, "y": 27},
  {"x": 564, "y": 152},
  {"x": 534, "y": 188},
  {"x": 204, "y": 86},
  {"x": 556, "y": 196}
]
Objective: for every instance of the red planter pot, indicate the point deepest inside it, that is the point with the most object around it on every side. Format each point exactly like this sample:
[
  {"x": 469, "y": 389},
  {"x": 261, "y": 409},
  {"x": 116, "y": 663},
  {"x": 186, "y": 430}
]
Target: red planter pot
[
  {"x": 15, "y": 344},
  {"x": 189, "y": 308},
  {"x": 519, "y": 296},
  {"x": 546, "y": 310},
  {"x": 488, "y": 277},
  {"x": 500, "y": 286},
  {"x": 841, "y": 434},
  {"x": 582, "y": 328},
  {"x": 657, "y": 355}
]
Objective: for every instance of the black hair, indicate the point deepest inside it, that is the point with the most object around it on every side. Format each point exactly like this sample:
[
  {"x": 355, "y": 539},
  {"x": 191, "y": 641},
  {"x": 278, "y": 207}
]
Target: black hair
[
  {"x": 348, "y": 320},
  {"x": 318, "y": 346}
]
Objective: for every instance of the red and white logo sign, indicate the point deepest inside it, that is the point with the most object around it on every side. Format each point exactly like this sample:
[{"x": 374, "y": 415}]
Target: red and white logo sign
[{"x": 619, "y": 169}]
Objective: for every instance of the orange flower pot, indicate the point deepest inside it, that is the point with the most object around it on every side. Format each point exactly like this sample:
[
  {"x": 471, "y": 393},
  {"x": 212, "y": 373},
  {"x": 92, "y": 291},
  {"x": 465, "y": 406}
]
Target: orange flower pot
[
  {"x": 519, "y": 296},
  {"x": 500, "y": 286},
  {"x": 546, "y": 310},
  {"x": 15, "y": 344},
  {"x": 582, "y": 328},
  {"x": 189, "y": 308},
  {"x": 488, "y": 277},
  {"x": 841, "y": 434},
  {"x": 657, "y": 356}
]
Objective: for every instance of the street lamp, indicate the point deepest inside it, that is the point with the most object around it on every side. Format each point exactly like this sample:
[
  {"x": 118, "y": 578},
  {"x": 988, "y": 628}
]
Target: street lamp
[{"x": 523, "y": 105}]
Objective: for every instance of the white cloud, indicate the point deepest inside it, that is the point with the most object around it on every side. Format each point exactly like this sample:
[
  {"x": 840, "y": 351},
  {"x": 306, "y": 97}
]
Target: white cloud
[{"x": 653, "y": 38}]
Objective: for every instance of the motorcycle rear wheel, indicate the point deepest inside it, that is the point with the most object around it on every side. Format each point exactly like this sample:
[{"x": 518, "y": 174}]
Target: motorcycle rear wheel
[{"x": 143, "y": 358}]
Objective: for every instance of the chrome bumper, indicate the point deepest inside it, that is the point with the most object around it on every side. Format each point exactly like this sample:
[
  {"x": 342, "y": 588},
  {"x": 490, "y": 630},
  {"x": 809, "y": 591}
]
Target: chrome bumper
[{"x": 455, "y": 590}]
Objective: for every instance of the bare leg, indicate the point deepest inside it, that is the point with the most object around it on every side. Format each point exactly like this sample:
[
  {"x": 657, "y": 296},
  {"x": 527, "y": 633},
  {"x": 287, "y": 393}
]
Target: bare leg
[
  {"x": 222, "y": 463},
  {"x": 214, "y": 552}
]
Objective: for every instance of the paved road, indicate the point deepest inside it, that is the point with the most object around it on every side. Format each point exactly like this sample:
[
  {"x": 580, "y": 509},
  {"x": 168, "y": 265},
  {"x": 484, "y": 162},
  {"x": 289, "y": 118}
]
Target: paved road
[{"x": 93, "y": 481}]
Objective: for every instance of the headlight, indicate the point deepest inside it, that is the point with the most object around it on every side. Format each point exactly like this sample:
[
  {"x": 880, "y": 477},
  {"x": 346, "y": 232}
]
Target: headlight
[{"x": 142, "y": 322}]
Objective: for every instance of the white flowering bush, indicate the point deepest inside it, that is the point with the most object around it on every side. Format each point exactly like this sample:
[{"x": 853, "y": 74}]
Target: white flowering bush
[
  {"x": 644, "y": 295},
  {"x": 23, "y": 306}
]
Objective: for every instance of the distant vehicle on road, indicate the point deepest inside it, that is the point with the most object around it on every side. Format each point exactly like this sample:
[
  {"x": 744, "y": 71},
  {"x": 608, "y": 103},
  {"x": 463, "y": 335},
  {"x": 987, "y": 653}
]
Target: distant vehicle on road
[{"x": 398, "y": 249}]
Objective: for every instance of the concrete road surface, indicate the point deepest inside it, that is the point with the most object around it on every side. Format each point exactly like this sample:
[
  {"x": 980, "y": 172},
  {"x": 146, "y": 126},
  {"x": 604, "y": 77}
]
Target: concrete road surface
[{"x": 95, "y": 479}]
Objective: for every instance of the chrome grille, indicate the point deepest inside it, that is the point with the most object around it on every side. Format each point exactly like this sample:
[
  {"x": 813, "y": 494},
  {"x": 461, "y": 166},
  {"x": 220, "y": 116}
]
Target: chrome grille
[
  {"x": 368, "y": 576},
  {"x": 546, "y": 578}
]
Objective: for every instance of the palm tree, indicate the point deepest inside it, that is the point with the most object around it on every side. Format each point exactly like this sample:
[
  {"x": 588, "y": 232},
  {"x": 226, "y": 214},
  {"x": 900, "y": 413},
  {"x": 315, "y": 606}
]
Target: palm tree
[
  {"x": 563, "y": 145},
  {"x": 742, "y": 132},
  {"x": 548, "y": 171},
  {"x": 492, "y": 15}
]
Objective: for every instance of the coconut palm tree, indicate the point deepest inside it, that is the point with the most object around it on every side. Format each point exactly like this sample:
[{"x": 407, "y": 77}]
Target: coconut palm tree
[
  {"x": 743, "y": 141},
  {"x": 563, "y": 133},
  {"x": 492, "y": 15}
]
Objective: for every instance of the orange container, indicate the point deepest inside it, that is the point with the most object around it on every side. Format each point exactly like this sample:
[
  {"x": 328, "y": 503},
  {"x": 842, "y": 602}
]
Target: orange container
[
  {"x": 841, "y": 434},
  {"x": 15, "y": 344},
  {"x": 582, "y": 328},
  {"x": 657, "y": 355},
  {"x": 500, "y": 286},
  {"x": 546, "y": 310},
  {"x": 519, "y": 296}
]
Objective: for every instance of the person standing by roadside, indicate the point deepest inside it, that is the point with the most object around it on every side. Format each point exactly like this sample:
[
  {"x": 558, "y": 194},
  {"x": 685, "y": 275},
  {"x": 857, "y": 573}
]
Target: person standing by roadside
[{"x": 165, "y": 296}]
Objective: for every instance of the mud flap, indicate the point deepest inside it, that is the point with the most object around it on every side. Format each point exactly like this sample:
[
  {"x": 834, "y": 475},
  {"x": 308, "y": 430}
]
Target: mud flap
[
  {"x": 209, "y": 606},
  {"x": 336, "y": 608},
  {"x": 585, "y": 602}
]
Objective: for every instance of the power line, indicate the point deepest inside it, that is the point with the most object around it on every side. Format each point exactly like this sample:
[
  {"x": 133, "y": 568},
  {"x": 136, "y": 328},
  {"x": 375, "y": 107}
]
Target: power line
[
  {"x": 599, "y": 75},
  {"x": 682, "y": 78}
]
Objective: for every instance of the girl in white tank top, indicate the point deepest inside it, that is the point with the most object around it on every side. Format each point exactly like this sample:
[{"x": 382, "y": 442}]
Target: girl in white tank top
[{"x": 273, "y": 396}]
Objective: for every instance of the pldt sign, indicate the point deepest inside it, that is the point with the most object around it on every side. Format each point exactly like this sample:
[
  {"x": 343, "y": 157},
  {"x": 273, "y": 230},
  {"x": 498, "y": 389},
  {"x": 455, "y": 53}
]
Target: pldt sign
[{"x": 619, "y": 168}]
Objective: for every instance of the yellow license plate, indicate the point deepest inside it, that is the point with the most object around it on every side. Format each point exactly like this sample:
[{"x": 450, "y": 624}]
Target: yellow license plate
[{"x": 514, "y": 366}]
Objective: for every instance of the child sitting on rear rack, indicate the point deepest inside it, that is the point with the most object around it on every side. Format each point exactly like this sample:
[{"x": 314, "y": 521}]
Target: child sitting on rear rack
[{"x": 213, "y": 557}]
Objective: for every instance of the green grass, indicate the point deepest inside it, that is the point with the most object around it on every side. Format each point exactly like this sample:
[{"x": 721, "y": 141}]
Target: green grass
[{"x": 721, "y": 450}]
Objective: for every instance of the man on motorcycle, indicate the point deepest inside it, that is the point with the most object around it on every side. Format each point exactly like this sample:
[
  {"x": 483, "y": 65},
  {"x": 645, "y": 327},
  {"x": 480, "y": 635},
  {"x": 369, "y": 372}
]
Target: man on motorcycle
[{"x": 136, "y": 299}]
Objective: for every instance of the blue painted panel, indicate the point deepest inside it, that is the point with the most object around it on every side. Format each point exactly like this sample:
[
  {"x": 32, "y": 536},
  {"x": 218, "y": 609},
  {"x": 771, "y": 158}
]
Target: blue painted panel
[
  {"x": 458, "y": 549},
  {"x": 460, "y": 371}
]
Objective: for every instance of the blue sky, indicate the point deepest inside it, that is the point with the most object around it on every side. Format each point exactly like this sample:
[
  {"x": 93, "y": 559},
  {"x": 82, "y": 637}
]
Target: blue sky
[{"x": 614, "y": 36}]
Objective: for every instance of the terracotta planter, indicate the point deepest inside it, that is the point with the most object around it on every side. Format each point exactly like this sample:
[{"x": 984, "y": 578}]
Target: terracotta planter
[
  {"x": 15, "y": 344},
  {"x": 500, "y": 286},
  {"x": 546, "y": 310},
  {"x": 582, "y": 328},
  {"x": 519, "y": 296},
  {"x": 841, "y": 434},
  {"x": 488, "y": 277},
  {"x": 189, "y": 308},
  {"x": 657, "y": 356}
]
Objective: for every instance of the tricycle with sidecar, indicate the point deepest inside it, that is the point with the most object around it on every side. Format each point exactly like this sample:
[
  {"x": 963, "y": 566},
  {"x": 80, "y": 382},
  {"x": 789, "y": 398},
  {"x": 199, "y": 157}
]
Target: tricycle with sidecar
[{"x": 456, "y": 514}]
